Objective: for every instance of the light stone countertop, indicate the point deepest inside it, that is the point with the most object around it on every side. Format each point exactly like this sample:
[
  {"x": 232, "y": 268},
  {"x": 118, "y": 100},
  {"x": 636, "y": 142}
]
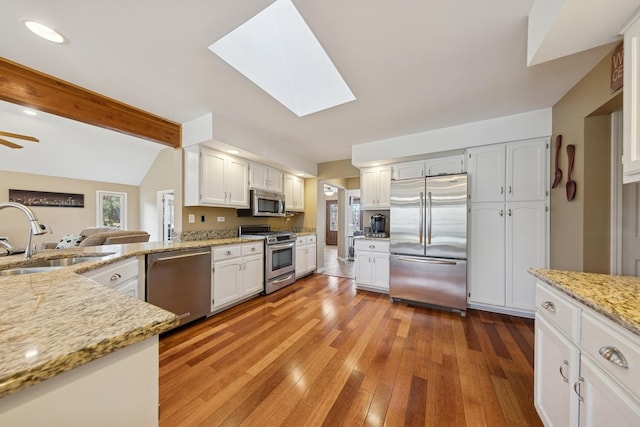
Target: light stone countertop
[
  {"x": 371, "y": 238},
  {"x": 616, "y": 297},
  {"x": 53, "y": 322}
]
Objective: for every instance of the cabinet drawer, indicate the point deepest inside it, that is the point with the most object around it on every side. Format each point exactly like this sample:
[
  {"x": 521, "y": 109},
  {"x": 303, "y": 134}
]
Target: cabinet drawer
[
  {"x": 372, "y": 245},
  {"x": 311, "y": 239},
  {"x": 252, "y": 248},
  {"x": 604, "y": 342},
  {"x": 559, "y": 310},
  {"x": 301, "y": 240},
  {"x": 226, "y": 252},
  {"x": 116, "y": 274}
]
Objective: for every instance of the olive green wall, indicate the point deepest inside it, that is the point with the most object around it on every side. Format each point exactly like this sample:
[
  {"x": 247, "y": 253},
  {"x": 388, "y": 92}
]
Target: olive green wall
[{"x": 579, "y": 228}]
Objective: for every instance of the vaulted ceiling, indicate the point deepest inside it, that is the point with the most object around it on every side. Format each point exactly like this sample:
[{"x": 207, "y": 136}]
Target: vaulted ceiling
[{"x": 412, "y": 65}]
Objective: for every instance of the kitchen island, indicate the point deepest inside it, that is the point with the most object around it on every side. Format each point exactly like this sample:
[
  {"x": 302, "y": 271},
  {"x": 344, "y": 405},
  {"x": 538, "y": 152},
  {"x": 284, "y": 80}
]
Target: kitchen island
[
  {"x": 97, "y": 349},
  {"x": 587, "y": 348}
]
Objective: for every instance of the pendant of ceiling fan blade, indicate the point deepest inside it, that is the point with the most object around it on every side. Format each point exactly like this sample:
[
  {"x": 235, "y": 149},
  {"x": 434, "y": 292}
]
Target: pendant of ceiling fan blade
[
  {"x": 9, "y": 144},
  {"x": 18, "y": 136}
]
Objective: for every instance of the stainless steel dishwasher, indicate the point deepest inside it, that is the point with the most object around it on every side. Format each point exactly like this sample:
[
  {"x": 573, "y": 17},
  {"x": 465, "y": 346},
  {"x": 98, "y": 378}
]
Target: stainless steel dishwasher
[{"x": 180, "y": 282}]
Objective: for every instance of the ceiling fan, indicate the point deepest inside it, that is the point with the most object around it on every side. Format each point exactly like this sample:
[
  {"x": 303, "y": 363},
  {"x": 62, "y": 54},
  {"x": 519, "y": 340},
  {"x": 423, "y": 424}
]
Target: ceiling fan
[{"x": 16, "y": 136}]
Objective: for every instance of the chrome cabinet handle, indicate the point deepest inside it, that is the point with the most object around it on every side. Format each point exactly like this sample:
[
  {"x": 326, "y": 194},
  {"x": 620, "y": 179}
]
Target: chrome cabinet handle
[
  {"x": 116, "y": 277},
  {"x": 614, "y": 356},
  {"x": 501, "y": 190},
  {"x": 548, "y": 305},
  {"x": 253, "y": 249},
  {"x": 577, "y": 387},
  {"x": 227, "y": 253},
  {"x": 501, "y": 212},
  {"x": 372, "y": 246},
  {"x": 510, "y": 190},
  {"x": 561, "y": 369},
  {"x": 509, "y": 211}
]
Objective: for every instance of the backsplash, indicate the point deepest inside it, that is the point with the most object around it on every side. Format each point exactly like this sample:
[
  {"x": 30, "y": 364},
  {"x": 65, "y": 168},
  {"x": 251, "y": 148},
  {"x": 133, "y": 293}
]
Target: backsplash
[{"x": 190, "y": 236}]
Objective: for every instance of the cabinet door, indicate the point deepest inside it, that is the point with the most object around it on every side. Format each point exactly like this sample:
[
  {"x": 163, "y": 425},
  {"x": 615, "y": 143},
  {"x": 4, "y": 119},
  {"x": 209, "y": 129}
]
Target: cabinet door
[
  {"x": 380, "y": 266},
  {"x": 363, "y": 268},
  {"x": 605, "y": 404},
  {"x": 556, "y": 370},
  {"x": 487, "y": 170},
  {"x": 631, "y": 110},
  {"x": 311, "y": 256},
  {"x": 526, "y": 247},
  {"x": 301, "y": 259},
  {"x": 226, "y": 281},
  {"x": 487, "y": 254},
  {"x": 368, "y": 189},
  {"x": 237, "y": 183},
  {"x": 445, "y": 165},
  {"x": 408, "y": 170},
  {"x": 298, "y": 193},
  {"x": 287, "y": 182},
  {"x": 212, "y": 177},
  {"x": 129, "y": 288},
  {"x": 252, "y": 277},
  {"x": 384, "y": 187},
  {"x": 259, "y": 176},
  {"x": 275, "y": 181},
  {"x": 527, "y": 170}
]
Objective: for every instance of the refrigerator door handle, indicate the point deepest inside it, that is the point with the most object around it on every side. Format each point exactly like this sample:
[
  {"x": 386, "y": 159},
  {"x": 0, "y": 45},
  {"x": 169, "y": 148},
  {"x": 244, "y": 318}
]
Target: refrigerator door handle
[
  {"x": 426, "y": 260},
  {"x": 421, "y": 227},
  {"x": 429, "y": 225}
]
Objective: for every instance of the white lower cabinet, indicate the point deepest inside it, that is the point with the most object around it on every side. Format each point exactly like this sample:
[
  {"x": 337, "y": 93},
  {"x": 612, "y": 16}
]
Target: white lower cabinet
[
  {"x": 121, "y": 276},
  {"x": 371, "y": 265},
  {"x": 580, "y": 378},
  {"x": 506, "y": 239},
  {"x": 305, "y": 255},
  {"x": 238, "y": 273}
]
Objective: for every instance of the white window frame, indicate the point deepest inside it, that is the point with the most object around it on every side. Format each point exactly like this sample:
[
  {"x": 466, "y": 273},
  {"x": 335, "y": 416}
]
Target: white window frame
[{"x": 100, "y": 194}]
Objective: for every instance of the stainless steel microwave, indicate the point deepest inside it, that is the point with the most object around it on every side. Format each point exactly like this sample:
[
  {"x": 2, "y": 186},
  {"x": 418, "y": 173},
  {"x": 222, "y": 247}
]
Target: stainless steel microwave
[{"x": 264, "y": 203}]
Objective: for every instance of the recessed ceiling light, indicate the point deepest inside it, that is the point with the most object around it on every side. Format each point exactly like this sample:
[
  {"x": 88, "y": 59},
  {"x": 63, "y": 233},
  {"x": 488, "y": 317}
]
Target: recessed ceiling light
[
  {"x": 30, "y": 112},
  {"x": 277, "y": 51},
  {"x": 233, "y": 152},
  {"x": 43, "y": 31}
]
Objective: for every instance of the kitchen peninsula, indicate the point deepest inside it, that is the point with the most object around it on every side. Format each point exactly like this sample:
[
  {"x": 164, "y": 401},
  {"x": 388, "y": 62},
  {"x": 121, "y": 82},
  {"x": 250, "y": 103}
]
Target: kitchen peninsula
[{"x": 97, "y": 349}]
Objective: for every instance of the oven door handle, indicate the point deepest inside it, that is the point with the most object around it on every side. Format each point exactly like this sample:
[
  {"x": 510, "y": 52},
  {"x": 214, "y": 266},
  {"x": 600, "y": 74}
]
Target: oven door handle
[
  {"x": 285, "y": 246},
  {"x": 284, "y": 279}
]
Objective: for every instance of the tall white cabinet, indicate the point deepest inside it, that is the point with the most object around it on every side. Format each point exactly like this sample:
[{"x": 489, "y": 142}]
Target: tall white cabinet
[
  {"x": 294, "y": 193},
  {"x": 508, "y": 224},
  {"x": 631, "y": 110}
]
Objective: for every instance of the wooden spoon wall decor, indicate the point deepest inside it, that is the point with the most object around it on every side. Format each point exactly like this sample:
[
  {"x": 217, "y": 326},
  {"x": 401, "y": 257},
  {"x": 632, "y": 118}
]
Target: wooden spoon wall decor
[
  {"x": 558, "y": 174},
  {"x": 17, "y": 136},
  {"x": 571, "y": 184}
]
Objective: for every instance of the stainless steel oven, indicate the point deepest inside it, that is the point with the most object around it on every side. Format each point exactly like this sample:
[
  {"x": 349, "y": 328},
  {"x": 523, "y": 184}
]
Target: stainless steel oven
[{"x": 280, "y": 256}]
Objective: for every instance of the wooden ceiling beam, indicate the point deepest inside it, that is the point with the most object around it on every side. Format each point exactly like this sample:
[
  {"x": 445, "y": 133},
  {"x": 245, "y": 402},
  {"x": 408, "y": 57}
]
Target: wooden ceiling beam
[{"x": 33, "y": 89}]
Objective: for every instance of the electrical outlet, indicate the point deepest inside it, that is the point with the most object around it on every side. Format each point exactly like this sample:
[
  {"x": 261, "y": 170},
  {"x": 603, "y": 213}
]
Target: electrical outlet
[
  {"x": 192, "y": 218},
  {"x": 202, "y": 218},
  {"x": 221, "y": 219}
]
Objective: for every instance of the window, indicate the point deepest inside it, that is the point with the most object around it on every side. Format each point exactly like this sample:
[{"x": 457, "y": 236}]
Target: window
[{"x": 111, "y": 209}]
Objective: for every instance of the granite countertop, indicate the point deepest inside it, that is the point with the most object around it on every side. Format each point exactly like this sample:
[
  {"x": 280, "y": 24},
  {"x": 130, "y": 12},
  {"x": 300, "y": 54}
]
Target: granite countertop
[
  {"x": 305, "y": 233},
  {"x": 370, "y": 238},
  {"x": 53, "y": 322},
  {"x": 616, "y": 297}
]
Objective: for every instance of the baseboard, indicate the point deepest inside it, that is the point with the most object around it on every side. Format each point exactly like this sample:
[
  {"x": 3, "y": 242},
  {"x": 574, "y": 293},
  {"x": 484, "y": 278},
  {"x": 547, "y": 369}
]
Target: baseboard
[{"x": 503, "y": 310}]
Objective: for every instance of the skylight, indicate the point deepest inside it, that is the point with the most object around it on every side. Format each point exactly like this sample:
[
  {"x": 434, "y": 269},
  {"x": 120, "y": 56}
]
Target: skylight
[{"x": 277, "y": 51}]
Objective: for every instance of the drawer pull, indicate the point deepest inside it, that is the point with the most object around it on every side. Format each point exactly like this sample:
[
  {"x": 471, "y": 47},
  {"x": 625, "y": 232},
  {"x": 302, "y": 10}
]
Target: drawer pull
[
  {"x": 116, "y": 277},
  {"x": 372, "y": 246},
  {"x": 577, "y": 387},
  {"x": 561, "y": 369},
  {"x": 548, "y": 305},
  {"x": 227, "y": 253},
  {"x": 614, "y": 356}
]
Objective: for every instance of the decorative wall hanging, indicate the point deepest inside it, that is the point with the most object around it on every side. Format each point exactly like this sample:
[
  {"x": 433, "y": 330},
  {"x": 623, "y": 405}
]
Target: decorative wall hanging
[
  {"x": 46, "y": 198},
  {"x": 558, "y": 174},
  {"x": 571, "y": 184}
]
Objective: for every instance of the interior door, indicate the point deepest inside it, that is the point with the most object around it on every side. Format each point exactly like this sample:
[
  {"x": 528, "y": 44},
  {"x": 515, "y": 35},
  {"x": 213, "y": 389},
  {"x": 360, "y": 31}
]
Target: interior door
[{"x": 332, "y": 223}]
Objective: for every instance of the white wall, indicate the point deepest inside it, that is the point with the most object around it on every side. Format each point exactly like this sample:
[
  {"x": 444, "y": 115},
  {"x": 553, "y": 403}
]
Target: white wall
[{"x": 515, "y": 127}]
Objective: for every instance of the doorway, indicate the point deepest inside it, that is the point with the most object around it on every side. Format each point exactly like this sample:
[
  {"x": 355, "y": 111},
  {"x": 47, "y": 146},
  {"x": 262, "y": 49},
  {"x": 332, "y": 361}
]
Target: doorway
[
  {"x": 331, "y": 226},
  {"x": 166, "y": 215}
]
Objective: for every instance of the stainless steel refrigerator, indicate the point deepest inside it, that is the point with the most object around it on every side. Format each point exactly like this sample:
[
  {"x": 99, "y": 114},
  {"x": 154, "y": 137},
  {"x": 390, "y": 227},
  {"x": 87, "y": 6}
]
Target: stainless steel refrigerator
[{"x": 428, "y": 232}]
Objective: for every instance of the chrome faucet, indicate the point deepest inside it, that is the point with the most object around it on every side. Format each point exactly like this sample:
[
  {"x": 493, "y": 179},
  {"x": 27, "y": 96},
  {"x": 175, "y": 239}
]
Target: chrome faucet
[{"x": 35, "y": 228}]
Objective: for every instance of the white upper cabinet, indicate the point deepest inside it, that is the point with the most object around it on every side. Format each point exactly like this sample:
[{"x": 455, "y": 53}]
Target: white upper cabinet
[
  {"x": 509, "y": 172},
  {"x": 294, "y": 193},
  {"x": 429, "y": 167},
  {"x": 445, "y": 165},
  {"x": 375, "y": 187},
  {"x": 631, "y": 96},
  {"x": 266, "y": 178},
  {"x": 212, "y": 178},
  {"x": 408, "y": 170}
]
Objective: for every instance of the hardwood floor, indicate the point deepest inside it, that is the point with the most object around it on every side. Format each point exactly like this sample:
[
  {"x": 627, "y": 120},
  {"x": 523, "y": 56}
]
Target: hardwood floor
[{"x": 320, "y": 353}]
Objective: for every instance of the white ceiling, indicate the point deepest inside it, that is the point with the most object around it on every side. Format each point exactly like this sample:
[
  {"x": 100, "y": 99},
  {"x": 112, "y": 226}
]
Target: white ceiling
[{"x": 412, "y": 65}]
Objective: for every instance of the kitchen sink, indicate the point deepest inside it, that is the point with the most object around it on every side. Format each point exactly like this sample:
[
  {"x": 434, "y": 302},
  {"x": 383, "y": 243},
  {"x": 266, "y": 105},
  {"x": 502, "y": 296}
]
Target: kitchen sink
[{"x": 44, "y": 265}]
